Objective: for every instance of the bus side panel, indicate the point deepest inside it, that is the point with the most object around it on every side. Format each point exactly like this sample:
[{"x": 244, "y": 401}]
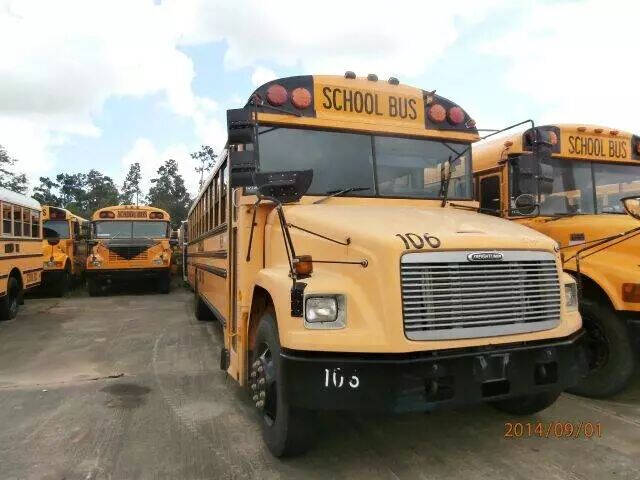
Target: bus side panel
[
  {"x": 211, "y": 259},
  {"x": 28, "y": 262}
]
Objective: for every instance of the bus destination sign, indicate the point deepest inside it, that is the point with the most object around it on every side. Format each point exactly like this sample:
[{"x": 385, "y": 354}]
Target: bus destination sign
[
  {"x": 132, "y": 214},
  {"x": 595, "y": 147}
]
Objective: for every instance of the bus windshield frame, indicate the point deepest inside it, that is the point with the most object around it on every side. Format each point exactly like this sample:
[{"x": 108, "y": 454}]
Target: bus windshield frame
[
  {"x": 375, "y": 165},
  {"x": 581, "y": 187},
  {"x": 128, "y": 229},
  {"x": 59, "y": 227}
]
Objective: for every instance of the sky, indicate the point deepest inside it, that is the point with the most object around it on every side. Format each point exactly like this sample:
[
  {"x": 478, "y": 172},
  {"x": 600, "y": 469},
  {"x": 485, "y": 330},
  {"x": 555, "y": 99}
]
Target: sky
[{"x": 106, "y": 83}]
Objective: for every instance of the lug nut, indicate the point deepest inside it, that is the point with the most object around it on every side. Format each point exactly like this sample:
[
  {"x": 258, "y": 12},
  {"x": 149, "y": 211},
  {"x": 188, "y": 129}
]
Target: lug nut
[
  {"x": 254, "y": 386},
  {"x": 255, "y": 398},
  {"x": 260, "y": 369},
  {"x": 260, "y": 404},
  {"x": 261, "y": 381},
  {"x": 262, "y": 395}
]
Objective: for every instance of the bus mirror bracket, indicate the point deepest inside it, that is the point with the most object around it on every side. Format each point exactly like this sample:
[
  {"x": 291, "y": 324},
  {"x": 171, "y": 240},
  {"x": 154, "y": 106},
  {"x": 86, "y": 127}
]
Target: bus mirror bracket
[{"x": 283, "y": 187}]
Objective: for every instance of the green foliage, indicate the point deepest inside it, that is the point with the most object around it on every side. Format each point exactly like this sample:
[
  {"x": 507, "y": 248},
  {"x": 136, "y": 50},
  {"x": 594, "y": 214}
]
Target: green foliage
[
  {"x": 100, "y": 191},
  {"x": 131, "y": 192},
  {"x": 207, "y": 158},
  {"x": 169, "y": 192},
  {"x": 45, "y": 193},
  {"x": 9, "y": 179}
]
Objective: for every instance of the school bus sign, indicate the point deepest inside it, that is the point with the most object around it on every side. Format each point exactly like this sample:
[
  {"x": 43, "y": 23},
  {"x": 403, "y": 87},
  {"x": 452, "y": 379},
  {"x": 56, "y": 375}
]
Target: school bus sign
[{"x": 595, "y": 147}]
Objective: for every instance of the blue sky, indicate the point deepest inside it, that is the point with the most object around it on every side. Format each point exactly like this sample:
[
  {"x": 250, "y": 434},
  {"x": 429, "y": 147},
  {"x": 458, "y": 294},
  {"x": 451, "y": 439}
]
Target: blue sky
[{"x": 102, "y": 84}]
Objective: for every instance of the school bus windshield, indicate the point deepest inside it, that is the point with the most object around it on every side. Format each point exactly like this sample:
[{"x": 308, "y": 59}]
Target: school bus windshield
[
  {"x": 56, "y": 229},
  {"x": 375, "y": 165},
  {"x": 578, "y": 187},
  {"x": 134, "y": 229}
]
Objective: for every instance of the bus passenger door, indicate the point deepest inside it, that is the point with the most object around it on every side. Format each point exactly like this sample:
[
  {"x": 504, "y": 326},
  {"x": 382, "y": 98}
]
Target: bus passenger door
[{"x": 489, "y": 194}]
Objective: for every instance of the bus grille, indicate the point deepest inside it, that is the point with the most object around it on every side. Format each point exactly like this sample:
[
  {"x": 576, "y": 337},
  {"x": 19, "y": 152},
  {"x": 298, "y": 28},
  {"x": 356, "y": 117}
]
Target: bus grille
[
  {"x": 117, "y": 254},
  {"x": 447, "y": 296}
]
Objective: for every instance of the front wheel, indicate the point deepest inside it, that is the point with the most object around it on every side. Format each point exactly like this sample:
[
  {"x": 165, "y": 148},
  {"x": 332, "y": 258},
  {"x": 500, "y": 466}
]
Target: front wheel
[
  {"x": 286, "y": 430},
  {"x": 609, "y": 351},
  {"x": 9, "y": 303},
  {"x": 164, "y": 283},
  {"x": 64, "y": 284},
  {"x": 94, "y": 286},
  {"x": 527, "y": 404}
]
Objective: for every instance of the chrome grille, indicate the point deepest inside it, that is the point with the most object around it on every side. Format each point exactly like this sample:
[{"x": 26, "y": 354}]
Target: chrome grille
[{"x": 446, "y": 296}]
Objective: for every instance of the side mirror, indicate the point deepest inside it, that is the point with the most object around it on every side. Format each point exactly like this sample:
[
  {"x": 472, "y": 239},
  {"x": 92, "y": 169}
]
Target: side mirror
[
  {"x": 283, "y": 187},
  {"x": 241, "y": 131},
  {"x": 632, "y": 206},
  {"x": 525, "y": 204},
  {"x": 53, "y": 241}
]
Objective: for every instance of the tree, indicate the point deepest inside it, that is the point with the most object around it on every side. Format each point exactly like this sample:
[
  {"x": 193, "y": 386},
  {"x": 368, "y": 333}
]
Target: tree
[
  {"x": 131, "y": 185},
  {"x": 100, "y": 190},
  {"x": 169, "y": 192},
  {"x": 9, "y": 179},
  {"x": 72, "y": 193},
  {"x": 45, "y": 192},
  {"x": 207, "y": 159}
]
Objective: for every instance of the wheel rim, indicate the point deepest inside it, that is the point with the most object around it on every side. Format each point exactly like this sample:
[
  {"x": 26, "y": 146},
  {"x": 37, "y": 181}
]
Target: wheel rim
[
  {"x": 598, "y": 348},
  {"x": 13, "y": 301},
  {"x": 264, "y": 384}
]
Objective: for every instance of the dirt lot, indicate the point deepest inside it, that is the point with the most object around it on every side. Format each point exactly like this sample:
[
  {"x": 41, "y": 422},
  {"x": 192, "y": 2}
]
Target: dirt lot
[{"x": 128, "y": 386}]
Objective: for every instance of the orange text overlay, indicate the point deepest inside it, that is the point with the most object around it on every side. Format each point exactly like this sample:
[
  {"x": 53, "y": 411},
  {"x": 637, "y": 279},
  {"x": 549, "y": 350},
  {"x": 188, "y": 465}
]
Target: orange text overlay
[{"x": 553, "y": 429}]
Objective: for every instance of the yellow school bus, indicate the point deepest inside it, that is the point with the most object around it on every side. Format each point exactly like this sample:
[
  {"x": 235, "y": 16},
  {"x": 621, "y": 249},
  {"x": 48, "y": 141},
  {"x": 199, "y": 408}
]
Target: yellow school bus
[
  {"x": 20, "y": 250},
  {"x": 566, "y": 181},
  {"x": 337, "y": 243},
  {"x": 129, "y": 242},
  {"x": 64, "y": 246}
]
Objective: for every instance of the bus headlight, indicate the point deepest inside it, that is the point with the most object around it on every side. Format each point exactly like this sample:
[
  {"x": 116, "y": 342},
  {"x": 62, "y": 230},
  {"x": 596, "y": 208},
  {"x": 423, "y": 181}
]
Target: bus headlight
[
  {"x": 325, "y": 311},
  {"x": 571, "y": 295}
]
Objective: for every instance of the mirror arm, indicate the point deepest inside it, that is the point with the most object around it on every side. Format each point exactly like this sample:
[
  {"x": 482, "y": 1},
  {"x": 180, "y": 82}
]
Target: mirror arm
[{"x": 253, "y": 224}]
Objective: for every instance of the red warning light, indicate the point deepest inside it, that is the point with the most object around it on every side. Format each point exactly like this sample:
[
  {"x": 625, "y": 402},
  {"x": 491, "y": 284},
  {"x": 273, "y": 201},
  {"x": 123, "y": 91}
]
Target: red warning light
[
  {"x": 301, "y": 98},
  {"x": 277, "y": 95}
]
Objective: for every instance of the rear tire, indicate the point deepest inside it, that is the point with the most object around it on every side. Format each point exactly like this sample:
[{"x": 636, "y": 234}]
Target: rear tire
[
  {"x": 164, "y": 283},
  {"x": 286, "y": 430},
  {"x": 611, "y": 355},
  {"x": 95, "y": 289},
  {"x": 9, "y": 303},
  {"x": 528, "y": 404}
]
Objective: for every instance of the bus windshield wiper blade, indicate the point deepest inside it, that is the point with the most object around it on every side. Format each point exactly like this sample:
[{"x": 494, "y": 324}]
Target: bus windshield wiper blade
[{"x": 336, "y": 193}]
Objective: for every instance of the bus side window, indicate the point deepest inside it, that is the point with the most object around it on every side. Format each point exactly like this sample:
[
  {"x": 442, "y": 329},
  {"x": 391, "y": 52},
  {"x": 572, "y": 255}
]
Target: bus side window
[
  {"x": 6, "y": 219},
  {"x": 490, "y": 194},
  {"x": 35, "y": 224},
  {"x": 223, "y": 194},
  {"x": 17, "y": 221},
  {"x": 26, "y": 222}
]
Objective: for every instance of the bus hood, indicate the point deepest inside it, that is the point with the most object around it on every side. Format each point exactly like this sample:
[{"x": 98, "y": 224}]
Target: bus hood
[{"x": 452, "y": 228}]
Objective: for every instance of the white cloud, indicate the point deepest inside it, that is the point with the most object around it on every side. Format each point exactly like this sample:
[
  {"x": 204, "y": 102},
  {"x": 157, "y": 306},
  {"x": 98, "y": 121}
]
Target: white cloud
[
  {"x": 577, "y": 61},
  {"x": 262, "y": 75}
]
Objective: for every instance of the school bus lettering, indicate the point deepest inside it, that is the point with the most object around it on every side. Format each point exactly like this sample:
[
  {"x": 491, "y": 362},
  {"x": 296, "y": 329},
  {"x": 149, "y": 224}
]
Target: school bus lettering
[
  {"x": 132, "y": 214},
  {"x": 597, "y": 147},
  {"x": 349, "y": 100}
]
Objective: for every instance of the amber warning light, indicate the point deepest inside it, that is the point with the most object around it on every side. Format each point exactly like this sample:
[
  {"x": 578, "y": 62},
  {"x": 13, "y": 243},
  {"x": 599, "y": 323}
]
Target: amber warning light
[{"x": 277, "y": 96}]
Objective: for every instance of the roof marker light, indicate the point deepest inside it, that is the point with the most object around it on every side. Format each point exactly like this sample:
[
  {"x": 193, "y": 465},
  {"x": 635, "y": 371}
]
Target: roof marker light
[
  {"x": 597, "y": 130},
  {"x": 437, "y": 113},
  {"x": 582, "y": 129},
  {"x": 394, "y": 81},
  {"x": 301, "y": 98},
  {"x": 277, "y": 95},
  {"x": 614, "y": 132},
  {"x": 372, "y": 77},
  {"x": 455, "y": 115},
  {"x": 349, "y": 74}
]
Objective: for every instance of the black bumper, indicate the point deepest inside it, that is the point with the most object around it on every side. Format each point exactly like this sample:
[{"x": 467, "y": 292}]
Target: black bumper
[
  {"x": 418, "y": 382},
  {"x": 126, "y": 273},
  {"x": 51, "y": 276}
]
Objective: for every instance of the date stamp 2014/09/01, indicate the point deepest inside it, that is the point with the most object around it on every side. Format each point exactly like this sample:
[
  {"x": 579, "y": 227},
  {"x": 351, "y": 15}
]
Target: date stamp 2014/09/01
[{"x": 553, "y": 429}]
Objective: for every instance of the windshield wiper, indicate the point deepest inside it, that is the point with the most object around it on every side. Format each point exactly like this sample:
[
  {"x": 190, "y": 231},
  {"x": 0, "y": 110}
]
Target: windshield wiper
[{"x": 337, "y": 193}]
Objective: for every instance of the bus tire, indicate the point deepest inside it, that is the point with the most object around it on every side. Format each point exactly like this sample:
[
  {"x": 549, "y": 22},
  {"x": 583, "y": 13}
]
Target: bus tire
[
  {"x": 9, "y": 303},
  {"x": 63, "y": 286},
  {"x": 201, "y": 310},
  {"x": 94, "y": 287},
  {"x": 527, "y": 404},
  {"x": 610, "y": 352},
  {"x": 164, "y": 283},
  {"x": 286, "y": 430}
]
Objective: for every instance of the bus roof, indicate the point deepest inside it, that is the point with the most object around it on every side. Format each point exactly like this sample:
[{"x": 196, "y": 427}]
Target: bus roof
[
  {"x": 69, "y": 214},
  {"x": 128, "y": 212},
  {"x": 574, "y": 141},
  {"x": 361, "y": 104},
  {"x": 15, "y": 198}
]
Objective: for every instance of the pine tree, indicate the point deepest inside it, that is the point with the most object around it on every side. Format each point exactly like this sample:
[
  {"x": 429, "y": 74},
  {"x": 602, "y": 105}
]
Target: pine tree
[
  {"x": 101, "y": 191},
  {"x": 169, "y": 192},
  {"x": 9, "y": 179},
  {"x": 131, "y": 186},
  {"x": 207, "y": 158}
]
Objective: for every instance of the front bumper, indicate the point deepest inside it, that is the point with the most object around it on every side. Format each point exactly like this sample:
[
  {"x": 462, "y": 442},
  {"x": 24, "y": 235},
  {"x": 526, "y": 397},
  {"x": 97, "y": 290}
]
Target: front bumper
[
  {"x": 430, "y": 380},
  {"x": 126, "y": 273},
  {"x": 52, "y": 275}
]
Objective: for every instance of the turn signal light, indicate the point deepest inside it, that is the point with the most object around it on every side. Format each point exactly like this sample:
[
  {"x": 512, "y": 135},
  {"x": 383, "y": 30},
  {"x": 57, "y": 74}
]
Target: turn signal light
[
  {"x": 107, "y": 214},
  {"x": 303, "y": 265},
  {"x": 631, "y": 292},
  {"x": 277, "y": 95},
  {"x": 455, "y": 115},
  {"x": 437, "y": 113},
  {"x": 301, "y": 98}
]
